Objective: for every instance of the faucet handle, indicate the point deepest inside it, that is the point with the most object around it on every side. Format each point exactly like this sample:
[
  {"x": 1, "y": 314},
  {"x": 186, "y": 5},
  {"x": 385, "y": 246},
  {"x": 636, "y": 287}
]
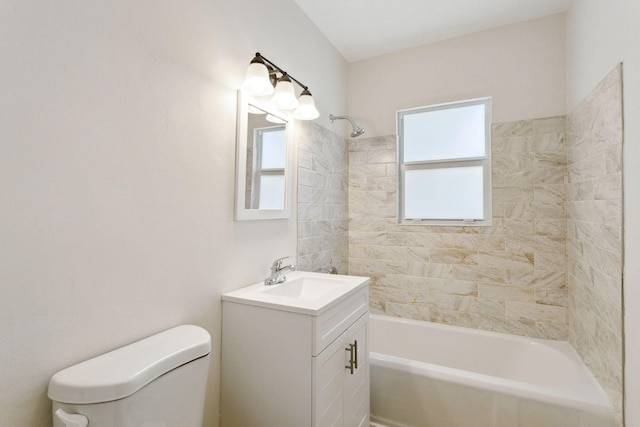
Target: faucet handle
[{"x": 278, "y": 263}]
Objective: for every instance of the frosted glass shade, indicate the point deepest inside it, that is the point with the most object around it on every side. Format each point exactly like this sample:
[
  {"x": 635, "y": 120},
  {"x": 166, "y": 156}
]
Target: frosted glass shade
[
  {"x": 306, "y": 107},
  {"x": 257, "y": 81},
  {"x": 285, "y": 95},
  {"x": 275, "y": 119}
]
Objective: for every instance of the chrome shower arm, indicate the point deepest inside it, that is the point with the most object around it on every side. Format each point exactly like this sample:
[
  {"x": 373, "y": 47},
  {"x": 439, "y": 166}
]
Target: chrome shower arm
[
  {"x": 332, "y": 118},
  {"x": 357, "y": 130}
]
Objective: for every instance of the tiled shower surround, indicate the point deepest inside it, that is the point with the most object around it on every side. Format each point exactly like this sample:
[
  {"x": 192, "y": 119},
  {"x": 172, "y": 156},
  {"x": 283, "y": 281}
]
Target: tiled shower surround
[
  {"x": 322, "y": 199},
  {"x": 508, "y": 277},
  {"x": 550, "y": 266},
  {"x": 594, "y": 232}
]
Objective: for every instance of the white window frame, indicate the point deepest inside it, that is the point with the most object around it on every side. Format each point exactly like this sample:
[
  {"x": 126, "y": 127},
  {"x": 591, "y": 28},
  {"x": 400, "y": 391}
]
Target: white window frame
[{"x": 484, "y": 161}]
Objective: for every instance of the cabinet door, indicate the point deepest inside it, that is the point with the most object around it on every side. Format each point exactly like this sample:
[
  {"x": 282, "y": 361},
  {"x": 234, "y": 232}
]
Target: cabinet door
[
  {"x": 328, "y": 384},
  {"x": 340, "y": 397},
  {"x": 356, "y": 391}
]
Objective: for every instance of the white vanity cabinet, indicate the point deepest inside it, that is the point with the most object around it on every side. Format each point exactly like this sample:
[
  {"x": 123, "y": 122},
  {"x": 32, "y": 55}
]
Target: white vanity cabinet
[
  {"x": 288, "y": 366},
  {"x": 341, "y": 386}
]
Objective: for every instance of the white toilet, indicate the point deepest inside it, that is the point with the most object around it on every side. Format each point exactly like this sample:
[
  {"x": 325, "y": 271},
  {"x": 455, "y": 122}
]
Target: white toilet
[{"x": 159, "y": 381}]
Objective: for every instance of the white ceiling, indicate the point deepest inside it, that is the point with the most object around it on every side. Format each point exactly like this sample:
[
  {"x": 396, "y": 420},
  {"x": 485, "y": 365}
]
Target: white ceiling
[{"x": 361, "y": 29}]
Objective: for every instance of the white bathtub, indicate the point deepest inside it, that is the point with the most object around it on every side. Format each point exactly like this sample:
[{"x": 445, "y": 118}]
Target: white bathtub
[{"x": 431, "y": 375}]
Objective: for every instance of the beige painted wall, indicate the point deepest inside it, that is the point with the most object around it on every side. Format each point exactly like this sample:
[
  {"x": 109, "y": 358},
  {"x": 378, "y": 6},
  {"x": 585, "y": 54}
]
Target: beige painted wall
[
  {"x": 521, "y": 66},
  {"x": 117, "y": 162},
  {"x": 599, "y": 35}
]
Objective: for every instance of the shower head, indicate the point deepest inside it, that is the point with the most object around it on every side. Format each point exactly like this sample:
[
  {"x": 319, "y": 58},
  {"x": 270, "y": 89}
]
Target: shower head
[{"x": 357, "y": 130}]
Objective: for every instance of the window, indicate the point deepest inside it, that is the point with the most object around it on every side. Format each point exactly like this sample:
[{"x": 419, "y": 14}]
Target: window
[
  {"x": 270, "y": 160},
  {"x": 444, "y": 164}
]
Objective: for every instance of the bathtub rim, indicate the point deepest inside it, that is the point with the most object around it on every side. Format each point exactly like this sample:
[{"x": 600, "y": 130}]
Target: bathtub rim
[
  {"x": 558, "y": 345},
  {"x": 488, "y": 382},
  {"x": 598, "y": 404}
]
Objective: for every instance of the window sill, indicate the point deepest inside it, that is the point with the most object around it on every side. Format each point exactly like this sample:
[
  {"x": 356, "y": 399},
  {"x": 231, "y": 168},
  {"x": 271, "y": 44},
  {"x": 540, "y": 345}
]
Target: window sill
[{"x": 446, "y": 223}]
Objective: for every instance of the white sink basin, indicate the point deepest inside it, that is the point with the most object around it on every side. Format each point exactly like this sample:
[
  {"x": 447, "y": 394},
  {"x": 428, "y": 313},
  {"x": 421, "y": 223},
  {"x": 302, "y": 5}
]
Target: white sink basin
[
  {"x": 304, "y": 288},
  {"x": 303, "y": 292}
]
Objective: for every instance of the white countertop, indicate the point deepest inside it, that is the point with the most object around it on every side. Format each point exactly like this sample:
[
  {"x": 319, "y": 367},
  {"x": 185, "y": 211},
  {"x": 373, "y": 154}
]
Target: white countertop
[{"x": 302, "y": 292}]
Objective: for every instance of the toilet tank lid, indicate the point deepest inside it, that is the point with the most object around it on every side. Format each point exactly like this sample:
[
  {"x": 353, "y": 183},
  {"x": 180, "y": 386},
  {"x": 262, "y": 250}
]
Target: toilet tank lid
[{"x": 124, "y": 371}]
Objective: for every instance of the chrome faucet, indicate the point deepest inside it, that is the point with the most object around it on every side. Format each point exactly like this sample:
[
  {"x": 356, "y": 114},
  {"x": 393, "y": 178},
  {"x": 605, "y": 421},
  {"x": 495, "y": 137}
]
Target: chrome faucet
[{"x": 278, "y": 271}]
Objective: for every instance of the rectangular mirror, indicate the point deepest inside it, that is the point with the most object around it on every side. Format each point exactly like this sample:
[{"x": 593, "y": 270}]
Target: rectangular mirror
[{"x": 264, "y": 161}]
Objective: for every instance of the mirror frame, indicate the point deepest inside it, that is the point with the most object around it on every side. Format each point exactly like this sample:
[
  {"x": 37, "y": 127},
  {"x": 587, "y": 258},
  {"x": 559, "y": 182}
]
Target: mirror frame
[{"x": 242, "y": 139}]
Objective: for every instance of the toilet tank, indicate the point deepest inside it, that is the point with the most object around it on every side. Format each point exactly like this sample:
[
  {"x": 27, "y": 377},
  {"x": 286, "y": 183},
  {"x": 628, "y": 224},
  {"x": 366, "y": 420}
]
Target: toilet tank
[{"x": 159, "y": 381}]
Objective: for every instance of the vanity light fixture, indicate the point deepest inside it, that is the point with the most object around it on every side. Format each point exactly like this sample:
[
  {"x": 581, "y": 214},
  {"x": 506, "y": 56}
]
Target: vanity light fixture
[{"x": 263, "y": 75}]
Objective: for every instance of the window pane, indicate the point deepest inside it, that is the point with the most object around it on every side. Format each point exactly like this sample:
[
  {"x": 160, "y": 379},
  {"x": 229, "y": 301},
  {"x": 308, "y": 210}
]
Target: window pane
[
  {"x": 444, "y": 193},
  {"x": 272, "y": 192},
  {"x": 273, "y": 148},
  {"x": 445, "y": 134}
]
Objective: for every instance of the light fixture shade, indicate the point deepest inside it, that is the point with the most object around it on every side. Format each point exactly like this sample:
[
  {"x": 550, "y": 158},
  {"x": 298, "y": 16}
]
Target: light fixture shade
[
  {"x": 275, "y": 119},
  {"x": 257, "y": 81},
  {"x": 285, "y": 96},
  {"x": 307, "y": 107}
]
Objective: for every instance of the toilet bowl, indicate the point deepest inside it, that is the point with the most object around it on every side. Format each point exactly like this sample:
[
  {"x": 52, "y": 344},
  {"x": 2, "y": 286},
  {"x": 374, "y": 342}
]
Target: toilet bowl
[{"x": 159, "y": 381}]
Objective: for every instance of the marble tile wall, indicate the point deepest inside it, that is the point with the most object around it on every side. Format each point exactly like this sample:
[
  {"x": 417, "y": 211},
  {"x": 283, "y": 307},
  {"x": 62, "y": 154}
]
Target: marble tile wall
[
  {"x": 509, "y": 277},
  {"x": 550, "y": 266},
  {"x": 322, "y": 198},
  {"x": 594, "y": 232}
]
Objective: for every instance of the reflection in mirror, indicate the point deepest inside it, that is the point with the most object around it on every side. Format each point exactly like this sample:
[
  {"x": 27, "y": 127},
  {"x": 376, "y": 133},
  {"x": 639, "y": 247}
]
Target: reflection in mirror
[
  {"x": 266, "y": 157},
  {"x": 264, "y": 163}
]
